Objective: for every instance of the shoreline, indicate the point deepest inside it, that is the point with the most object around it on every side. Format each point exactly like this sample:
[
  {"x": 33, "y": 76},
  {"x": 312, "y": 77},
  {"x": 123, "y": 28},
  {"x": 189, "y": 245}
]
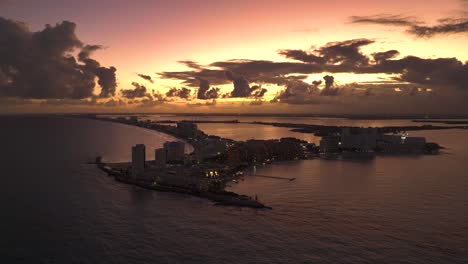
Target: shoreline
[
  {"x": 222, "y": 198},
  {"x": 231, "y": 171}
]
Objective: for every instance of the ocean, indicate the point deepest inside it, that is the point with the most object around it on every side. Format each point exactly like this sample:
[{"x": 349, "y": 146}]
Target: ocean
[{"x": 56, "y": 208}]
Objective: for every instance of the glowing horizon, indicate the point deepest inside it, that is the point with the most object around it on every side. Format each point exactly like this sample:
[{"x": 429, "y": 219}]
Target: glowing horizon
[{"x": 151, "y": 37}]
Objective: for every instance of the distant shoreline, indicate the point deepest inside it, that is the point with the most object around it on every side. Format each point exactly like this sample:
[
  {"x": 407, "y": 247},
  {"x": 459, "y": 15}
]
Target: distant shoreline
[{"x": 422, "y": 117}]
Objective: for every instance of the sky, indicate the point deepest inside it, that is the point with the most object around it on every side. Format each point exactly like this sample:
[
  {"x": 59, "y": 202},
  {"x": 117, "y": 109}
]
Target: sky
[{"x": 260, "y": 56}]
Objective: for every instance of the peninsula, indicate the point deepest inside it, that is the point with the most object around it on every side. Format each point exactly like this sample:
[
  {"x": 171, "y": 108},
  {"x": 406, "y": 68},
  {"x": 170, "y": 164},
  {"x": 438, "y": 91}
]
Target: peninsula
[{"x": 217, "y": 161}]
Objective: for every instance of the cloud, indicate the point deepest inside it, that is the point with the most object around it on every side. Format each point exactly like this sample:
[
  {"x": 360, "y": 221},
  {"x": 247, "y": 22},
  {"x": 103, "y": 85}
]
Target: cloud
[
  {"x": 145, "y": 77},
  {"x": 107, "y": 80},
  {"x": 40, "y": 64},
  {"x": 301, "y": 55},
  {"x": 205, "y": 92},
  {"x": 385, "y": 19},
  {"x": 345, "y": 52},
  {"x": 183, "y": 93},
  {"x": 386, "y": 55},
  {"x": 137, "y": 92},
  {"x": 242, "y": 87},
  {"x": 294, "y": 88},
  {"x": 342, "y": 52},
  {"x": 260, "y": 92},
  {"x": 329, "y": 86},
  {"x": 207, "y": 103},
  {"x": 444, "y": 26},
  {"x": 447, "y": 72},
  {"x": 212, "y": 93},
  {"x": 331, "y": 58},
  {"x": 190, "y": 64},
  {"x": 203, "y": 88},
  {"x": 150, "y": 100},
  {"x": 192, "y": 77},
  {"x": 87, "y": 50}
]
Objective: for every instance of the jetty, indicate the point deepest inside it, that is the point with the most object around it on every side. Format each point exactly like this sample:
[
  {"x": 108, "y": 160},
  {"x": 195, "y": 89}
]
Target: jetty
[
  {"x": 272, "y": 177},
  {"x": 219, "y": 197}
]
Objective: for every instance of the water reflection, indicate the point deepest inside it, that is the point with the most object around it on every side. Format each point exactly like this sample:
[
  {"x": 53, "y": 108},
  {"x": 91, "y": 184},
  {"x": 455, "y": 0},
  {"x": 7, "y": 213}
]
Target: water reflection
[{"x": 392, "y": 209}]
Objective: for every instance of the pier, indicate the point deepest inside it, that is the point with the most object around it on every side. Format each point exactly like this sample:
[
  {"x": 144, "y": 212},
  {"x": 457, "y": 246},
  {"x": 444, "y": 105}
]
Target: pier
[{"x": 272, "y": 177}]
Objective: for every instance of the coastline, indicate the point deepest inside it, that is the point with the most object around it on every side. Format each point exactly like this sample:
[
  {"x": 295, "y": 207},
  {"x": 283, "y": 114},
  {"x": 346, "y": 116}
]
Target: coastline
[
  {"x": 222, "y": 198},
  {"x": 218, "y": 195}
]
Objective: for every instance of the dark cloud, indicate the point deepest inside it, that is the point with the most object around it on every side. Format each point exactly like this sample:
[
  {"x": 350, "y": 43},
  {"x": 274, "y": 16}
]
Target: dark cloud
[
  {"x": 255, "y": 71},
  {"x": 340, "y": 52},
  {"x": 334, "y": 57},
  {"x": 183, "y": 93},
  {"x": 213, "y": 93},
  {"x": 444, "y": 26},
  {"x": 137, "y": 92},
  {"x": 294, "y": 88},
  {"x": 114, "y": 103},
  {"x": 106, "y": 76},
  {"x": 190, "y": 64},
  {"x": 316, "y": 83},
  {"x": 107, "y": 80},
  {"x": 301, "y": 55},
  {"x": 382, "y": 56},
  {"x": 192, "y": 78},
  {"x": 329, "y": 89},
  {"x": 207, "y": 103},
  {"x": 145, "y": 77},
  {"x": 259, "y": 70},
  {"x": 345, "y": 52},
  {"x": 447, "y": 72},
  {"x": 41, "y": 65},
  {"x": 149, "y": 102},
  {"x": 204, "y": 92},
  {"x": 383, "y": 19},
  {"x": 87, "y": 50},
  {"x": 260, "y": 92},
  {"x": 242, "y": 87},
  {"x": 203, "y": 87}
]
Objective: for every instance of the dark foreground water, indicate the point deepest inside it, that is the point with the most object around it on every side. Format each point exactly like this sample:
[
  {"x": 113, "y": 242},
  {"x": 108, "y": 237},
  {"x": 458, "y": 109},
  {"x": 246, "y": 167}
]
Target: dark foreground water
[{"x": 56, "y": 209}]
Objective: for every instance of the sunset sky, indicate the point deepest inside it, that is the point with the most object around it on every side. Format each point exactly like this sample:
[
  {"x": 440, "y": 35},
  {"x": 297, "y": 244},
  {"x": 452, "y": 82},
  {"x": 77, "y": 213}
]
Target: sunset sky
[{"x": 324, "y": 57}]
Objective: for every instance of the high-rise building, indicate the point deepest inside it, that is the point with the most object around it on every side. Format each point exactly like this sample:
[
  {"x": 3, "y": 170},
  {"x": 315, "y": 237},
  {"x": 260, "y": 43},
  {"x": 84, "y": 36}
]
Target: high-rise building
[
  {"x": 362, "y": 139},
  {"x": 160, "y": 157},
  {"x": 209, "y": 148},
  {"x": 329, "y": 144},
  {"x": 174, "y": 151},
  {"x": 187, "y": 129},
  {"x": 138, "y": 159}
]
